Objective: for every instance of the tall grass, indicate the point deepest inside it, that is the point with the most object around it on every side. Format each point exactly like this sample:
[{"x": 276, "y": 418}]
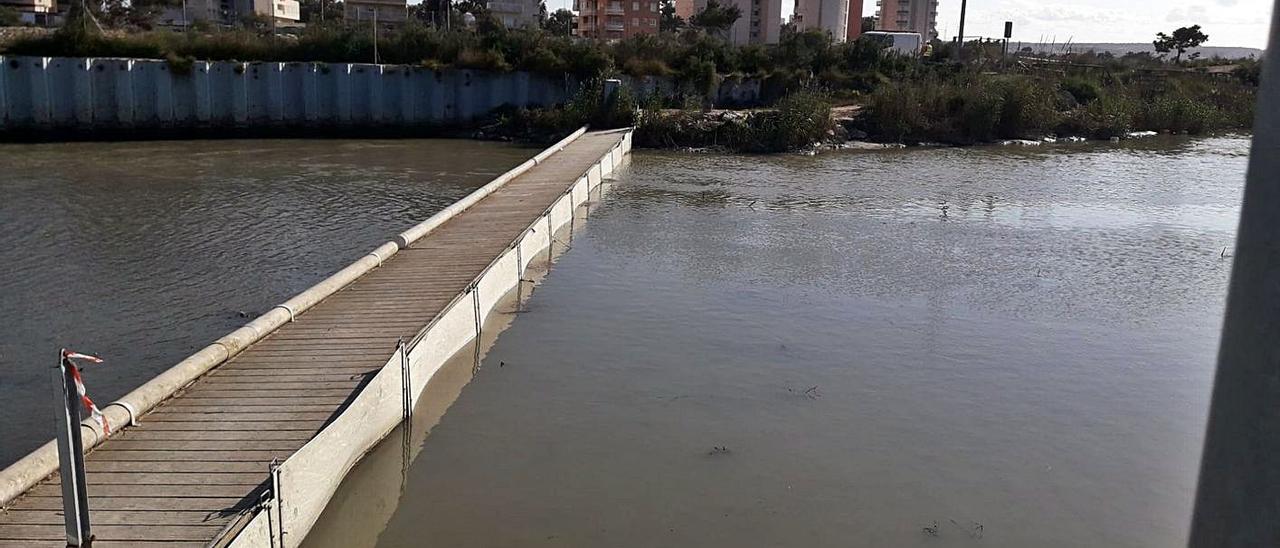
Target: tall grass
[
  {"x": 413, "y": 44},
  {"x": 589, "y": 106},
  {"x": 797, "y": 122},
  {"x": 979, "y": 108}
]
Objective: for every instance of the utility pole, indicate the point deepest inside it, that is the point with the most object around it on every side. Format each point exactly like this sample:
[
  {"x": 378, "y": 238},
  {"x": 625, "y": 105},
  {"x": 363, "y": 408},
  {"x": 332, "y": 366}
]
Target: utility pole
[
  {"x": 375, "y": 35},
  {"x": 964, "y": 6}
]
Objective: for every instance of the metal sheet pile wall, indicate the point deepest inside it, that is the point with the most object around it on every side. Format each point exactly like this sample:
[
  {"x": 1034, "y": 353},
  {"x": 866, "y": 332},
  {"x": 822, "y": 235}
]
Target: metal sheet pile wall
[{"x": 93, "y": 94}]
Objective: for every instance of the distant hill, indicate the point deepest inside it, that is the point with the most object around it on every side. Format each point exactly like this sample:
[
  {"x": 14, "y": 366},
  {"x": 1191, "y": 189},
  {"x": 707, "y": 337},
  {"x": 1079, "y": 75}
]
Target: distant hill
[{"x": 1121, "y": 49}]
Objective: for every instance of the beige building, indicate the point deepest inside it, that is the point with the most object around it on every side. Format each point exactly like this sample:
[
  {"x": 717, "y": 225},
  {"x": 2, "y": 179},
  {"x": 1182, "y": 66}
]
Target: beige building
[
  {"x": 919, "y": 16},
  {"x": 831, "y": 16},
  {"x": 36, "y": 12},
  {"x": 761, "y": 21},
  {"x": 390, "y": 12},
  {"x": 228, "y": 12}
]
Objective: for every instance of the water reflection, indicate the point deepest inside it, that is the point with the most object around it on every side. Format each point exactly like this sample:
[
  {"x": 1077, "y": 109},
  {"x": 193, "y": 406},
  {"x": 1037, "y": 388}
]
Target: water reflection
[
  {"x": 146, "y": 252},
  {"x": 727, "y": 357}
]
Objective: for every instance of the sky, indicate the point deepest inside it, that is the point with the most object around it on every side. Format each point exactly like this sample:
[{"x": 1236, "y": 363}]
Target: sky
[{"x": 1238, "y": 23}]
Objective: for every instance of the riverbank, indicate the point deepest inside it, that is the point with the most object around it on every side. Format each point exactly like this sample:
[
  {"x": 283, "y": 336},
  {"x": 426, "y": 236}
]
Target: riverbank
[{"x": 968, "y": 109}]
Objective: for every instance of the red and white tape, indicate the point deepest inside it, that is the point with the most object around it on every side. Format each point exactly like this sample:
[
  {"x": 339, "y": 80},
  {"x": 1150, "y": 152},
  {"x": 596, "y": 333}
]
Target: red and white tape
[{"x": 94, "y": 412}]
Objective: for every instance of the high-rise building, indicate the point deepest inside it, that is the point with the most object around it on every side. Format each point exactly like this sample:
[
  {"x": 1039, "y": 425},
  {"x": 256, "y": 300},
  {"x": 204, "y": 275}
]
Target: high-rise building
[
  {"x": 761, "y": 22},
  {"x": 831, "y": 16},
  {"x": 919, "y": 16},
  {"x": 855, "y": 20},
  {"x": 615, "y": 19}
]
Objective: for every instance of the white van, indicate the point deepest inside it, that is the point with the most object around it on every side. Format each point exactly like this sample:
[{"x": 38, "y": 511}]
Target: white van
[{"x": 902, "y": 43}]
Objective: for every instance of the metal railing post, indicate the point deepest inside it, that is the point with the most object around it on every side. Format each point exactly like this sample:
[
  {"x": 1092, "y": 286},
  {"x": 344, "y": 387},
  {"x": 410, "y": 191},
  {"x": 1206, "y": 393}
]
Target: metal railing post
[{"x": 75, "y": 498}]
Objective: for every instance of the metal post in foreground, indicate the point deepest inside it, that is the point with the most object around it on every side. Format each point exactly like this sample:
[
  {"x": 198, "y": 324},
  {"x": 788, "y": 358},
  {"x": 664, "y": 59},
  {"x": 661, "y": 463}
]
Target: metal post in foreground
[
  {"x": 375, "y": 35},
  {"x": 964, "y": 7},
  {"x": 1238, "y": 497},
  {"x": 75, "y": 499}
]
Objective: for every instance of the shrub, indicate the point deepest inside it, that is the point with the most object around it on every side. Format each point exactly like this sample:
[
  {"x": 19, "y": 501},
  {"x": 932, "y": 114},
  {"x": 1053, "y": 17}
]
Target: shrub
[
  {"x": 797, "y": 122},
  {"x": 1176, "y": 113},
  {"x": 1083, "y": 91},
  {"x": 1109, "y": 116}
]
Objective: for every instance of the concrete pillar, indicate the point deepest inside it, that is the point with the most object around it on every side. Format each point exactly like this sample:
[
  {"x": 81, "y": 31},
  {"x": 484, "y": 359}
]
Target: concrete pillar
[
  {"x": 403, "y": 103},
  {"x": 293, "y": 95},
  {"x": 240, "y": 94},
  {"x": 419, "y": 94},
  {"x": 18, "y": 72},
  {"x": 4, "y": 94},
  {"x": 376, "y": 86},
  {"x": 39, "y": 85},
  {"x": 463, "y": 95},
  {"x": 440, "y": 94},
  {"x": 394, "y": 83},
  {"x": 312, "y": 94},
  {"x": 152, "y": 96},
  {"x": 258, "y": 93},
  {"x": 202, "y": 85},
  {"x": 342, "y": 94},
  {"x": 522, "y": 89},
  {"x": 102, "y": 77},
  {"x": 82, "y": 93},
  {"x": 124, "y": 91},
  {"x": 1238, "y": 499}
]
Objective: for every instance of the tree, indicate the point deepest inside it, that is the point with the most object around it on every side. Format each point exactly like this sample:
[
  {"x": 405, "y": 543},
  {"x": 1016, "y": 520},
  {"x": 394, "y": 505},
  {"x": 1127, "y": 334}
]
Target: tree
[
  {"x": 9, "y": 17},
  {"x": 315, "y": 11},
  {"x": 868, "y": 24},
  {"x": 670, "y": 22},
  {"x": 559, "y": 23},
  {"x": 716, "y": 19},
  {"x": 1182, "y": 40}
]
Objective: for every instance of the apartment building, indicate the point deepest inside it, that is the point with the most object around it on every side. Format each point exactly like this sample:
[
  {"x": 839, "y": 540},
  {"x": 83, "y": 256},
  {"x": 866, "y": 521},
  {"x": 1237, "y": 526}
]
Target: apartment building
[
  {"x": 515, "y": 13},
  {"x": 229, "y": 12},
  {"x": 919, "y": 16},
  {"x": 386, "y": 12},
  {"x": 36, "y": 12},
  {"x": 615, "y": 19},
  {"x": 686, "y": 8},
  {"x": 761, "y": 21},
  {"x": 830, "y": 16},
  {"x": 855, "y": 20}
]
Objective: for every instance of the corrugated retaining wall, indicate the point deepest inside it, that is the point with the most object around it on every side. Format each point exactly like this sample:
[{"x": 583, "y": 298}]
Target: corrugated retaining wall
[{"x": 88, "y": 95}]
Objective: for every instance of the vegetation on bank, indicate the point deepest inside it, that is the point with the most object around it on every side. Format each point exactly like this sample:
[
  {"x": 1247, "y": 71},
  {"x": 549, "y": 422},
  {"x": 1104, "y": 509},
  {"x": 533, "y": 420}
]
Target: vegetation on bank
[
  {"x": 935, "y": 99},
  {"x": 973, "y": 108}
]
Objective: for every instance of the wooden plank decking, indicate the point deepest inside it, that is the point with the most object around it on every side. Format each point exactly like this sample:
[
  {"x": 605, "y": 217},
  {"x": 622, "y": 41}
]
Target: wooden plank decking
[{"x": 198, "y": 460}]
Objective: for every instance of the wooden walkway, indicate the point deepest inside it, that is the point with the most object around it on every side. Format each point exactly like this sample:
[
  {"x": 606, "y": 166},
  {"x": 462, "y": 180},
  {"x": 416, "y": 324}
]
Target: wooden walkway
[{"x": 197, "y": 461}]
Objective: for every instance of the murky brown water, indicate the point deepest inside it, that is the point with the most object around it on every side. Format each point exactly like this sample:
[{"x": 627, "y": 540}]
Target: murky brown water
[
  {"x": 979, "y": 347},
  {"x": 146, "y": 252}
]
